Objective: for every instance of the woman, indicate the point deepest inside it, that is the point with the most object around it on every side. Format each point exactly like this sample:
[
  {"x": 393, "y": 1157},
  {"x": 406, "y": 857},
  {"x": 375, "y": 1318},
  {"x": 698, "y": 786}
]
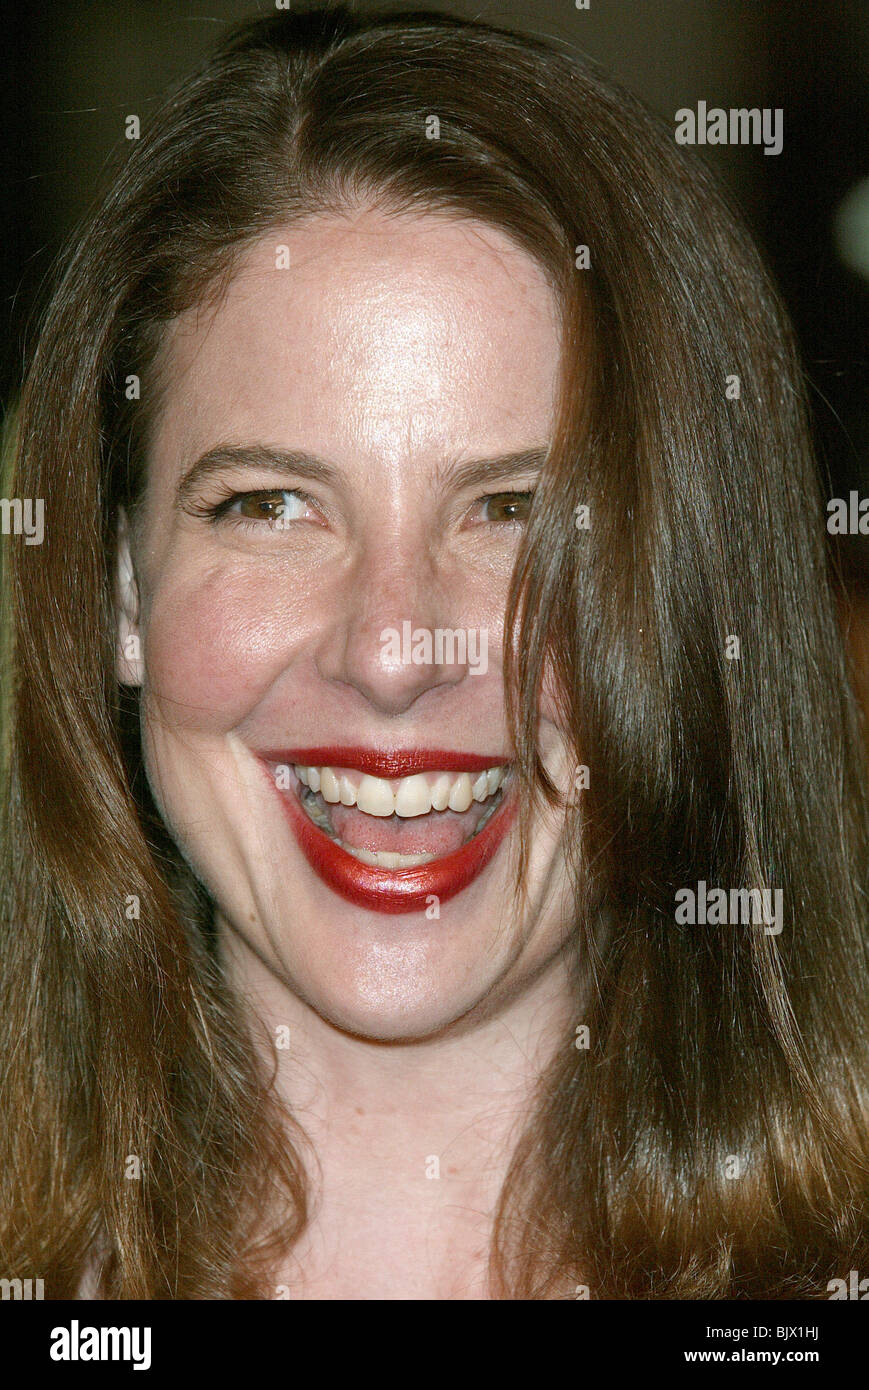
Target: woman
[{"x": 434, "y": 821}]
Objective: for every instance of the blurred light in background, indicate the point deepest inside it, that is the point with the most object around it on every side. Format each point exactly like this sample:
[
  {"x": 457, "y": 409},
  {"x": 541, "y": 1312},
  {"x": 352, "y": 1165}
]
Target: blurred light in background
[{"x": 851, "y": 228}]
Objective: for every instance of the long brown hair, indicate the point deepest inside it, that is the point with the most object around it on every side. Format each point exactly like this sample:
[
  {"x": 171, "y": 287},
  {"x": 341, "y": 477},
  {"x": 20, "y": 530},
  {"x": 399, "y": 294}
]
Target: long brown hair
[{"x": 710, "y": 1140}]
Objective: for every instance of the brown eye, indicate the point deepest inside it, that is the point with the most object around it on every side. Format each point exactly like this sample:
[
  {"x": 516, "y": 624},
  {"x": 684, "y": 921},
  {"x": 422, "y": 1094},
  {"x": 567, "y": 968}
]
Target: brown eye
[
  {"x": 507, "y": 508},
  {"x": 278, "y": 508}
]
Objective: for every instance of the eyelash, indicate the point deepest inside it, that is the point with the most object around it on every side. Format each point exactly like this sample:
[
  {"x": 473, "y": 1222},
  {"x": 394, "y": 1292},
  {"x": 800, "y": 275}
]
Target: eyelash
[{"x": 220, "y": 511}]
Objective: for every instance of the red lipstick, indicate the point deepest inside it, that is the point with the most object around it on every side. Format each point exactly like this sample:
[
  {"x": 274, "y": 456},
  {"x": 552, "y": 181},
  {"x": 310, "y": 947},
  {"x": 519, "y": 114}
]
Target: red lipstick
[
  {"x": 387, "y": 763},
  {"x": 380, "y": 889}
]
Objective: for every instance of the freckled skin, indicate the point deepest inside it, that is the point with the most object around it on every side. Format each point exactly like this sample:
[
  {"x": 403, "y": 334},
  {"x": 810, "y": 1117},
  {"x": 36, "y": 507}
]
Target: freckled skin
[{"x": 395, "y": 348}]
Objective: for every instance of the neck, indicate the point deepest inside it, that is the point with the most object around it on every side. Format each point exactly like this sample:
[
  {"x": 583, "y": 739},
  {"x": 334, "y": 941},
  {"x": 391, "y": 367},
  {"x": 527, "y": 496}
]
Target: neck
[{"x": 413, "y": 1139}]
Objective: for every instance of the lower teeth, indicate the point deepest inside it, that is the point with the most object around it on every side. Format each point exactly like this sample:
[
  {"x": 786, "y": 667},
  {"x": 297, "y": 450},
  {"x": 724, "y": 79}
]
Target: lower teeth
[{"x": 382, "y": 858}]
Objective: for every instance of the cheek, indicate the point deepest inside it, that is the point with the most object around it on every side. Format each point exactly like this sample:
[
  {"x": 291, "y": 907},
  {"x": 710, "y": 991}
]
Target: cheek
[{"x": 214, "y": 645}]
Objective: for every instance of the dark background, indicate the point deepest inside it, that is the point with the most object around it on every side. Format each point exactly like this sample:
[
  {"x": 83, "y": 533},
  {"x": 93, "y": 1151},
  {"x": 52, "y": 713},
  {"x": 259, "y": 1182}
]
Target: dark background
[{"x": 74, "y": 69}]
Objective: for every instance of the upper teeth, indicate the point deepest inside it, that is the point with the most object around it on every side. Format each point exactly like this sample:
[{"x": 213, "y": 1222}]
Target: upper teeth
[{"x": 407, "y": 796}]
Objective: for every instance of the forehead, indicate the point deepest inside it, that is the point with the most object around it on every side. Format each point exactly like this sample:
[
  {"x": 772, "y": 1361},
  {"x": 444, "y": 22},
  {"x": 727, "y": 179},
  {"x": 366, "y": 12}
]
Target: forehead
[{"x": 372, "y": 332}]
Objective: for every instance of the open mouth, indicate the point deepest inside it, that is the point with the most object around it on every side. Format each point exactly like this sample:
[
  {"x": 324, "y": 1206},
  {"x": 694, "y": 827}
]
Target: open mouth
[
  {"x": 400, "y": 825},
  {"x": 391, "y": 841}
]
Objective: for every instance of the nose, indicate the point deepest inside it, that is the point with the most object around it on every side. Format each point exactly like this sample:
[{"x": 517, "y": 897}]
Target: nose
[{"x": 392, "y": 642}]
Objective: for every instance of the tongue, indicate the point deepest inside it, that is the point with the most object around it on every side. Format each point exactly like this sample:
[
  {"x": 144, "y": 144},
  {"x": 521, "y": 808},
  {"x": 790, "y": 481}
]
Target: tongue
[{"x": 438, "y": 832}]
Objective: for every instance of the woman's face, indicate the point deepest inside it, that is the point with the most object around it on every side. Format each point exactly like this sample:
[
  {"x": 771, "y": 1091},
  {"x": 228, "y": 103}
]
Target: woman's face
[{"x": 330, "y": 597}]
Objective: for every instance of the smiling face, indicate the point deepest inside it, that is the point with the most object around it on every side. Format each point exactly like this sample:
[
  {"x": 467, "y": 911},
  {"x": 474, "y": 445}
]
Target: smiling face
[{"x": 335, "y": 495}]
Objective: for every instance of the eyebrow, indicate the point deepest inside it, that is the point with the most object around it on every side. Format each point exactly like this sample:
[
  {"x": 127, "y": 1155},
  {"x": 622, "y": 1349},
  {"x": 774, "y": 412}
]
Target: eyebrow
[{"x": 300, "y": 464}]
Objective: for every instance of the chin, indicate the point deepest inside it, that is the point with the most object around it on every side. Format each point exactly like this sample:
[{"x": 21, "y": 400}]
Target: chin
[{"x": 384, "y": 979}]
